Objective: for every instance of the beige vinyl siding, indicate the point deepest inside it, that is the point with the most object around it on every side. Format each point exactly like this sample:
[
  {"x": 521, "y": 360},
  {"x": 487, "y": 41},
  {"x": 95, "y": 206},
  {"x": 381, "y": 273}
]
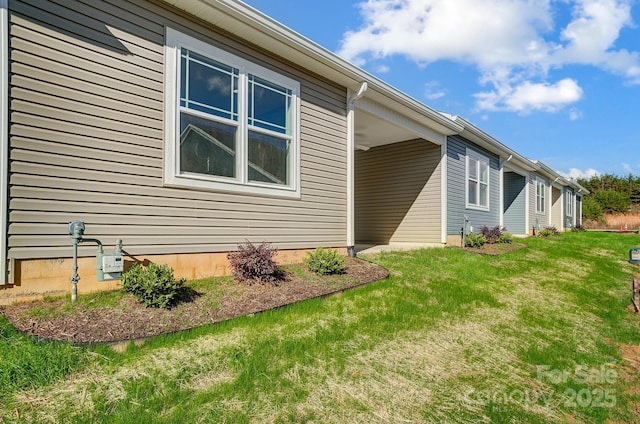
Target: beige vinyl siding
[
  {"x": 556, "y": 208},
  {"x": 397, "y": 195},
  {"x": 86, "y": 140}
]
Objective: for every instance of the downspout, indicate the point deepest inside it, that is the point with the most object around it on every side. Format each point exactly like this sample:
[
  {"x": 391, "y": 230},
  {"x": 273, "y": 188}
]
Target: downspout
[
  {"x": 351, "y": 99},
  {"x": 4, "y": 134}
]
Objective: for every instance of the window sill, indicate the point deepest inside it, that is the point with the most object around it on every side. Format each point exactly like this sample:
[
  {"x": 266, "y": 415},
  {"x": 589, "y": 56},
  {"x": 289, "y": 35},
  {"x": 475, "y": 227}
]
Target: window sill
[
  {"x": 478, "y": 208},
  {"x": 194, "y": 183}
]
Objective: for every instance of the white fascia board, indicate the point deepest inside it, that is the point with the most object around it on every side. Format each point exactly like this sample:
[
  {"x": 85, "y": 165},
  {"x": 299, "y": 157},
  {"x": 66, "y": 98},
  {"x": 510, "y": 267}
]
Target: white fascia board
[
  {"x": 254, "y": 26},
  {"x": 4, "y": 134}
]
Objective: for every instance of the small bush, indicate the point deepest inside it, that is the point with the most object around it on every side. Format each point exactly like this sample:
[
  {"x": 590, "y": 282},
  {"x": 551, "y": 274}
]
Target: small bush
[
  {"x": 578, "y": 228},
  {"x": 505, "y": 238},
  {"x": 548, "y": 232},
  {"x": 325, "y": 261},
  {"x": 154, "y": 286},
  {"x": 474, "y": 240},
  {"x": 492, "y": 235},
  {"x": 252, "y": 263}
]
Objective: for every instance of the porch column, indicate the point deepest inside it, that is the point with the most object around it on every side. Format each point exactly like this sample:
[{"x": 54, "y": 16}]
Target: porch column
[{"x": 351, "y": 99}]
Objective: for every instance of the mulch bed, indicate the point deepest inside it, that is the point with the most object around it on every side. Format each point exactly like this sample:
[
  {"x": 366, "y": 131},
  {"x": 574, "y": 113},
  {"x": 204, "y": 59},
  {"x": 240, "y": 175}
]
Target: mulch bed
[{"x": 130, "y": 320}]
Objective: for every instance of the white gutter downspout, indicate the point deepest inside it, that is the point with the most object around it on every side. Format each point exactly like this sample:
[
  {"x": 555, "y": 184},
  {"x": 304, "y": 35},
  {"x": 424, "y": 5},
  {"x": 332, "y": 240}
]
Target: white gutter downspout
[
  {"x": 351, "y": 145},
  {"x": 4, "y": 134}
]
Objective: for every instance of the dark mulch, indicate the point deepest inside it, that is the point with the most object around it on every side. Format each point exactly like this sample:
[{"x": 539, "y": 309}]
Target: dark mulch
[{"x": 127, "y": 319}]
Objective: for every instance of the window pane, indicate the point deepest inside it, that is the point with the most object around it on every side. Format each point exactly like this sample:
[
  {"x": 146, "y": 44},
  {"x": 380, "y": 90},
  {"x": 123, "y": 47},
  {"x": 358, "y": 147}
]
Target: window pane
[
  {"x": 484, "y": 195},
  {"x": 269, "y": 105},
  {"x": 473, "y": 192},
  {"x": 473, "y": 169},
  {"x": 209, "y": 86},
  {"x": 484, "y": 172},
  {"x": 207, "y": 147},
  {"x": 268, "y": 159}
]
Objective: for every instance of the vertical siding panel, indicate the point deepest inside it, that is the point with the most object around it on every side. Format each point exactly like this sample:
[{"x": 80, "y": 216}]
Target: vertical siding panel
[{"x": 397, "y": 194}]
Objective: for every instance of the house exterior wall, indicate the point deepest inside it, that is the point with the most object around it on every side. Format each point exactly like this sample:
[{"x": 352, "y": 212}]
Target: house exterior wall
[
  {"x": 86, "y": 140},
  {"x": 456, "y": 188},
  {"x": 514, "y": 219},
  {"x": 398, "y": 194},
  {"x": 539, "y": 219}
]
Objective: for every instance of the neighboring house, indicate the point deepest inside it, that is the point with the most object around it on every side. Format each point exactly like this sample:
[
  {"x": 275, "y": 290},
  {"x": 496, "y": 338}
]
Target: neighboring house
[
  {"x": 186, "y": 127},
  {"x": 486, "y": 184},
  {"x": 554, "y": 200}
]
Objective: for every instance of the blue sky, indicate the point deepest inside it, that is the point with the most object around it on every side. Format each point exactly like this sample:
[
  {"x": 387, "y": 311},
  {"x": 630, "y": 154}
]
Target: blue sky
[{"x": 555, "y": 80}]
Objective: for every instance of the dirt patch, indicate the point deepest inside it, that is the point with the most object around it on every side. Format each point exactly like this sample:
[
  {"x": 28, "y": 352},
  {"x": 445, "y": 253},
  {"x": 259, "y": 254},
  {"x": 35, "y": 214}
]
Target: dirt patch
[
  {"x": 128, "y": 319},
  {"x": 496, "y": 248}
]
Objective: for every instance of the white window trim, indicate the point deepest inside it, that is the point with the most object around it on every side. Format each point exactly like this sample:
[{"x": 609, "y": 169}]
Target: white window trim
[
  {"x": 4, "y": 135},
  {"x": 174, "y": 41},
  {"x": 539, "y": 181},
  {"x": 472, "y": 154}
]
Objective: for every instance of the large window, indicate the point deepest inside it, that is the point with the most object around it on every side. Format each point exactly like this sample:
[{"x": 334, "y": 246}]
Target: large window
[
  {"x": 540, "y": 195},
  {"x": 477, "y": 180},
  {"x": 231, "y": 124}
]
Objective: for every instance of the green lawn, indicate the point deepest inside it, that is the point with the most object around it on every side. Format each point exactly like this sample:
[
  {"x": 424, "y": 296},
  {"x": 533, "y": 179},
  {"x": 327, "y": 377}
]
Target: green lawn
[{"x": 534, "y": 335}]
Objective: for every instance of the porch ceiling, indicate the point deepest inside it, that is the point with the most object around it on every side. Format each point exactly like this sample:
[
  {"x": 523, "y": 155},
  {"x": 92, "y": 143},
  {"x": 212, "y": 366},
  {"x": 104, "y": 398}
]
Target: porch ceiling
[{"x": 373, "y": 131}]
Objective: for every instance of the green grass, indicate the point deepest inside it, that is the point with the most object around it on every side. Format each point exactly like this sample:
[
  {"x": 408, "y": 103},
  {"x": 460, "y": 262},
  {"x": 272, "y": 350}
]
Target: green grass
[
  {"x": 26, "y": 362},
  {"x": 529, "y": 336}
]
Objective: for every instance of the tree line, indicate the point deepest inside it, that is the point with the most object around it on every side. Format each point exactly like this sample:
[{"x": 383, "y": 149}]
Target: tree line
[{"x": 609, "y": 194}]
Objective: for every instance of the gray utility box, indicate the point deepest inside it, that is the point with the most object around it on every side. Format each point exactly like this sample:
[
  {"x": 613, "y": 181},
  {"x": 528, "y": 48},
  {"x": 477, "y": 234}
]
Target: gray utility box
[
  {"x": 634, "y": 255},
  {"x": 109, "y": 266}
]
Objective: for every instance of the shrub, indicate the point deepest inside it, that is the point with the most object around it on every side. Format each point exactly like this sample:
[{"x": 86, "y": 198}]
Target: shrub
[
  {"x": 325, "y": 261},
  {"x": 548, "y": 232},
  {"x": 252, "y": 263},
  {"x": 505, "y": 238},
  {"x": 475, "y": 240},
  {"x": 592, "y": 209},
  {"x": 154, "y": 286},
  {"x": 577, "y": 228},
  {"x": 492, "y": 235}
]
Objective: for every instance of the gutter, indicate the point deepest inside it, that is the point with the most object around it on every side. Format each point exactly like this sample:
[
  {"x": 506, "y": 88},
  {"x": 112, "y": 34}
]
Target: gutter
[
  {"x": 483, "y": 139},
  {"x": 4, "y": 135}
]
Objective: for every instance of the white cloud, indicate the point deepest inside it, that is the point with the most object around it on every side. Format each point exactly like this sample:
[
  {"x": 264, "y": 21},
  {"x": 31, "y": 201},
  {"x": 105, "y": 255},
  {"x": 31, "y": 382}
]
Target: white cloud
[
  {"x": 529, "y": 96},
  {"x": 575, "y": 114},
  {"x": 512, "y": 43},
  {"x": 433, "y": 90},
  {"x": 627, "y": 168},
  {"x": 576, "y": 173}
]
